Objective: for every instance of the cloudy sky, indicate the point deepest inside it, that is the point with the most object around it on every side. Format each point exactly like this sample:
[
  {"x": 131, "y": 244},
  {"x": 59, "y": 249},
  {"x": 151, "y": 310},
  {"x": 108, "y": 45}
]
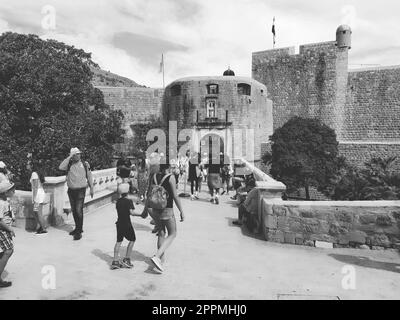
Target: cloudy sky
[{"x": 203, "y": 37}]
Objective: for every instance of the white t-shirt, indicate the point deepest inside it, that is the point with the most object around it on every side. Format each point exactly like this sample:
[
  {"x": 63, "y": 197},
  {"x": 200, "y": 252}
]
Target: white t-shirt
[
  {"x": 40, "y": 195},
  {"x": 5, "y": 213}
]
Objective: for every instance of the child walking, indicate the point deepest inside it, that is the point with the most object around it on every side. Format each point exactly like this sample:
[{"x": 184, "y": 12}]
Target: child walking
[
  {"x": 125, "y": 210},
  {"x": 7, "y": 190}
]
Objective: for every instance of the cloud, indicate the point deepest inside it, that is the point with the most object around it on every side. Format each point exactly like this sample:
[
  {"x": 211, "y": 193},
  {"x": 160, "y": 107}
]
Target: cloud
[
  {"x": 147, "y": 49},
  {"x": 203, "y": 37}
]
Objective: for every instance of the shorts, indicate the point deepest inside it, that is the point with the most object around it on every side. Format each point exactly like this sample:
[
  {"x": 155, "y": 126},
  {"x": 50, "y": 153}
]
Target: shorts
[
  {"x": 226, "y": 179},
  {"x": 6, "y": 242},
  {"x": 214, "y": 181},
  {"x": 165, "y": 214},
  {"x": 161, "y": 216},
  {"x": 125, "y": 231}
]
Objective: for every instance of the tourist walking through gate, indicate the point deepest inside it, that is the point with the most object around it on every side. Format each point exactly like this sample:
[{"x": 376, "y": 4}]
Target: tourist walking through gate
[
  {"x": 160, "y": 203},
  {"x": 214, "y": 177},
  {"x": 79, "y": 177},
  {"x": 38, "y": 196},
  {"x": 7, "y": 190},
  {"x": 142, "y": 178},
  {"x": 194, "y": 175}
]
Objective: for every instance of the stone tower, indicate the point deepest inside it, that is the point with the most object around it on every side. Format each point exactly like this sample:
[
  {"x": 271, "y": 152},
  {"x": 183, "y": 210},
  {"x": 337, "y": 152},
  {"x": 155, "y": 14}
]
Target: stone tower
[{"x": 311, "y": 84}]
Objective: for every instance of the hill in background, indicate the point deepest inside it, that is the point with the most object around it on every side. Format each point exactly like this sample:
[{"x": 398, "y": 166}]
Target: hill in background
[{"x": 103, "y": 78}]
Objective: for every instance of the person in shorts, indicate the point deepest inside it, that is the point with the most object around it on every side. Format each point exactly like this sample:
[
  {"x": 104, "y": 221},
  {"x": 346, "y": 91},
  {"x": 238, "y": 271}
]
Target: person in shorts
[
  {"x": 38, "y": 196},
  {"x": 125, "y": 209},
  {"x": 7, "y": 190},
  {"x": 164, "y": 219}
]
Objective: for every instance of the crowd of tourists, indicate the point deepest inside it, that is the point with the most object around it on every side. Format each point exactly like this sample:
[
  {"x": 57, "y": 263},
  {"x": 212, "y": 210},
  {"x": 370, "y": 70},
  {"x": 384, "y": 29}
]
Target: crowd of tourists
[{"x": 152, "y": 182}]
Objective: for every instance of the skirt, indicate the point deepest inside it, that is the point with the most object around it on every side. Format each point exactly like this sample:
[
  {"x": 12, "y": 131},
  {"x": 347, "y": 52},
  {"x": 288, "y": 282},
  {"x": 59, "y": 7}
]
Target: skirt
[{"x": 214, "y": 181}]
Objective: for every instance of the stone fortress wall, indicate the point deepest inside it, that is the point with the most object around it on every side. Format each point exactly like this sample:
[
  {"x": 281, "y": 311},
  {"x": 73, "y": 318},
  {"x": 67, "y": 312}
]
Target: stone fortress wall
[
  {"x": 363, "y": 106},
  {"x": 139, "y": 105}
]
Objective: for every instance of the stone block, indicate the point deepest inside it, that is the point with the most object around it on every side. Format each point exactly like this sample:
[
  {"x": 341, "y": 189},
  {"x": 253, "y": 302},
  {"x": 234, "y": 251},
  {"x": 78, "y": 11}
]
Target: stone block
[
  {"x": 323, "y": 245},
  {"x": 276, "y": 236},
  {"x": 309, "y": 243},
  {"x": 385, "y": 221},
  {"x": 290, "y": 238},
  {"x": 270, "y": 222},
  {"x": 380, "y": 240},
  {"x": 367, "y": 219},
  {"x": 283, "y": 223},
  {"x": 299, "y": 240},
  {"x": 280, "y": 211},
  {"x": 357, "y": 237}
]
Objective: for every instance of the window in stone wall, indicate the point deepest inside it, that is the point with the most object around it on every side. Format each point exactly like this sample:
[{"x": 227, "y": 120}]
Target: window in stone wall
[
  {"x": 211, "y": 105},
  {"x": 176, "y": 90},
  {"x": 212, "y": 89},
  {"x": 244, "y": 89}
]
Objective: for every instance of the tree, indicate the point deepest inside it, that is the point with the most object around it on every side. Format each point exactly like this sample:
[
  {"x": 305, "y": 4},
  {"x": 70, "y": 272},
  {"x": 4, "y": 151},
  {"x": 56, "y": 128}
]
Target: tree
[
  {"x": 378, "y": 180},
  {"x": 305, "y": 154},
  {"x": 139, "y": 144},
  {"x": 48, "y": 105}
]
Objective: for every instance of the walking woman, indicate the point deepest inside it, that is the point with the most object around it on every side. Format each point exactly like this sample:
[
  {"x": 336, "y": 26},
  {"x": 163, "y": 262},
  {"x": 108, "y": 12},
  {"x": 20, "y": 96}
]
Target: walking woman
[
  {"x": 214, "y": 178},
  {"x": 194, "y": 175},
  {"x": 165, "y": 218},
  {"x": 38, "y": 196},
  {"x": 142, "y": 178}
]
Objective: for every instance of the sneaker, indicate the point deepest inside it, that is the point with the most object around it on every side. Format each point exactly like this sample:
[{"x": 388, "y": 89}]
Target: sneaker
[
  {"x": 212, "y": 200},
  {"x": 192, "y": 197},
  {"x": 77, "y": 236},
  {"x": 72, "y": 233},
  {"x": 116, "y": 265},
  {"x": 126, "y": 263},
  {"x": 216, "y": 201},
  {"x": 39, "y": 232},
  {"x": 5, "y": 284},
  {"x": 157, "y": 263}
]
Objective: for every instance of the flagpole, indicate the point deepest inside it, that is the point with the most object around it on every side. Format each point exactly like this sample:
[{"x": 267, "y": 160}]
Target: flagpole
[{"x": 163, "y": 71}]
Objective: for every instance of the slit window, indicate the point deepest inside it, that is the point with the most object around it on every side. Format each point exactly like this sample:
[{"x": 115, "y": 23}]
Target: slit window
[
  {"x": 212, "y": 89},
  {"x": 244, "y": 89}
]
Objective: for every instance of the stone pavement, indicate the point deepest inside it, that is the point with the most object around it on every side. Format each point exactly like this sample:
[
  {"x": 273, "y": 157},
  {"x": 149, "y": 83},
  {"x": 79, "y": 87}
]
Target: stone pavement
[{"x": 210, "y": 259}]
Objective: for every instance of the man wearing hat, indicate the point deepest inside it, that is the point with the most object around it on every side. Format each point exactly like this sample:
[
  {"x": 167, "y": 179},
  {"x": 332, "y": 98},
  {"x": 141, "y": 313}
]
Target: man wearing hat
[{"x": 79, "y": 178}]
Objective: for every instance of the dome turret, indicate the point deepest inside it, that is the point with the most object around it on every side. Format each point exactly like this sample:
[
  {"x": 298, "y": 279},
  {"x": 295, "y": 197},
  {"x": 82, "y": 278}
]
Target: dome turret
[
  {"x": 343, "y": 37},
  {"x": 229, "y": 72}
]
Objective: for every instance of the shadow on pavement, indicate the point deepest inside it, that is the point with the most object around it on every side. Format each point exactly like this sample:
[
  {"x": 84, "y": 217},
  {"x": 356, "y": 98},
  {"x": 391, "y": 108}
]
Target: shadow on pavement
[
  {"x": 135, "y": 257},
  {"x": 245, "y": 231},
  {"x": 367, "y": 263}
]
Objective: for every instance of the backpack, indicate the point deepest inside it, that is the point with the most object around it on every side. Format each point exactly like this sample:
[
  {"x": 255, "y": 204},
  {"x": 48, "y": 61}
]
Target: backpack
[
  {"x": 85, "y": 164},
  {"x": 158, "y": 196}
]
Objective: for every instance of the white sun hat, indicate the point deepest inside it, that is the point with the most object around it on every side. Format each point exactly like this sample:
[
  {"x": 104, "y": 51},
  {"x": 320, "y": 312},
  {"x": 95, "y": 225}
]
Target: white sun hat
[{"x": 75, "y": 151}]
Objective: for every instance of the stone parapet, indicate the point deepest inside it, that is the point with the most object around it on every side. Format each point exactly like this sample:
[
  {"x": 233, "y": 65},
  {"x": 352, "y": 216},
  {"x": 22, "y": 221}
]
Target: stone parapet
[{"x": 375, "y": 224}]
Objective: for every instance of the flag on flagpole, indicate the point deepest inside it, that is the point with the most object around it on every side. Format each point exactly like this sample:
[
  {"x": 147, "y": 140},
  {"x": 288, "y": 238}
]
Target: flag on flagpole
[{"x": 274, "y": 31}]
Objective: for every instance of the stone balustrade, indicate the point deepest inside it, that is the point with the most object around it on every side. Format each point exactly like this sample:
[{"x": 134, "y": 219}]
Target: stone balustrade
[{"x": 57, "y": 208}]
